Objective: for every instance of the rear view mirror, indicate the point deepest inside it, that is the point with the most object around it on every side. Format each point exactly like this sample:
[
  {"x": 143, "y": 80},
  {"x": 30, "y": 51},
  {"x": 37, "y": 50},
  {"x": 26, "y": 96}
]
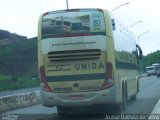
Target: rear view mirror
[
  {"x": 113, "y": 25},
  {"x": 140, "y": 53}
]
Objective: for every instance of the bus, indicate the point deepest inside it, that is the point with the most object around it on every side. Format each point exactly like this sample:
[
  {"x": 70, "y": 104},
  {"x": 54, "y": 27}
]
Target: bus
[{"x": 88, "y": 70}]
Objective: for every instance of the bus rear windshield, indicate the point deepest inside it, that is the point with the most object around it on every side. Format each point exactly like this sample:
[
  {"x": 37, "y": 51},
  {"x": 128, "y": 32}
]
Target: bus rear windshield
[{"x": 57, "y": 24}]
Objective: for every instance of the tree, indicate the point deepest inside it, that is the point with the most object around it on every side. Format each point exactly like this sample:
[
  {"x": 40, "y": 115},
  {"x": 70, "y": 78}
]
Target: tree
[{"x": 150, "y": 59}]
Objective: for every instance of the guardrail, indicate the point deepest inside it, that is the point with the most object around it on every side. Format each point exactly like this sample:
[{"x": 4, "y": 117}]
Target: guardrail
[{"x": 19, "y": 100}]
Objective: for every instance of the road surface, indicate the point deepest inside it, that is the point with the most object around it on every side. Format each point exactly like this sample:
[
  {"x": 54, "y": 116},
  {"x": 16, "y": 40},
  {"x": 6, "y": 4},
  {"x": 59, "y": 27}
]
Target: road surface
[{"x": 146, "y": 100}]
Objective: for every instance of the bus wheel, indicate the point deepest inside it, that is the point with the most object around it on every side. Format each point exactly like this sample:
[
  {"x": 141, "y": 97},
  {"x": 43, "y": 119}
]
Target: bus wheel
[
  {"x": 122, "y": 106},
  {"x": 124, "y": 98},
  {"x": 61, "y": 111}
]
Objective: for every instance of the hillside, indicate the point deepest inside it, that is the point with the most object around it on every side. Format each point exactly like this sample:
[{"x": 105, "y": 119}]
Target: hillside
[
  {"x": 6, "y": 37},
  {"x": 19, "y": 58},
  {"x": 18, "y": 61}
]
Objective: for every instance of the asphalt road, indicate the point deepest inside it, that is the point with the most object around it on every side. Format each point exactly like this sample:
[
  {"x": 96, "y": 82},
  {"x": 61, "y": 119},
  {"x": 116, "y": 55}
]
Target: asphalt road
[{"x": 146, "y": 100}]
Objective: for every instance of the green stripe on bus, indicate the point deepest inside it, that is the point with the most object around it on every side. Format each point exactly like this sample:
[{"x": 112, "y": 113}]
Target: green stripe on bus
[{"x": 76, "y": 77}]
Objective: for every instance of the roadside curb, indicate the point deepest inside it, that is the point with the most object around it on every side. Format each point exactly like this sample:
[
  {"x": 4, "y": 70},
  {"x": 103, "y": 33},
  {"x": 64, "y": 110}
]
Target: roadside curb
[{"x": 19, "y": 100}]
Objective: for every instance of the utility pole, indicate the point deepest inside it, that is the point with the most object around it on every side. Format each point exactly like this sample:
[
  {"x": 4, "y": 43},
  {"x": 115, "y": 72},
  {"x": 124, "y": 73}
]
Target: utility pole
[{"x": 67, "y": 4}]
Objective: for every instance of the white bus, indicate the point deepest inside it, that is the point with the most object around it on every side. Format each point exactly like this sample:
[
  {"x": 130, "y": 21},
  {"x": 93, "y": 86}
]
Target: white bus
[{"x": 91, "y": 69}]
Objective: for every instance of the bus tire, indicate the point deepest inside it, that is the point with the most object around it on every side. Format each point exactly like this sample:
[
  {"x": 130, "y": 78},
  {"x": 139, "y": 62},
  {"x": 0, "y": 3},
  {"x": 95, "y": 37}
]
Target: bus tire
[
  {"x": 124, "y": 97},
  {"x": 61, "y": 111},
  {"x": 122, "y": 106},
  {"x": 137, "y": 85}
]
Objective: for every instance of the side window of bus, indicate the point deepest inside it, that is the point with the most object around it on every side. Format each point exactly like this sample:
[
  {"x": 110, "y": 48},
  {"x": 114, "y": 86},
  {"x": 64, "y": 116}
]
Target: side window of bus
[{"x": 113, "y": 25}]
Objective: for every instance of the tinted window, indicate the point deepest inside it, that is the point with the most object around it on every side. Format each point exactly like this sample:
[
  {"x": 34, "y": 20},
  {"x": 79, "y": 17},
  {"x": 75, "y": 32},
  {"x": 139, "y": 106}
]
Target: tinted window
[{"x": 73, "y": 22}]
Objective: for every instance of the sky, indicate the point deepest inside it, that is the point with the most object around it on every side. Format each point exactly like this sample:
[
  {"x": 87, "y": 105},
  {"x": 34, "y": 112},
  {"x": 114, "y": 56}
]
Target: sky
[{"x": 21, "y": 16}]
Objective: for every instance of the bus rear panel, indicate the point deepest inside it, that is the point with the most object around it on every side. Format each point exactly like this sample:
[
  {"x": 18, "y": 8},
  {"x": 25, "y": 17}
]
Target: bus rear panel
[
  {"x": 75, "y": 68},
  {"x": 84, "y": 61}
]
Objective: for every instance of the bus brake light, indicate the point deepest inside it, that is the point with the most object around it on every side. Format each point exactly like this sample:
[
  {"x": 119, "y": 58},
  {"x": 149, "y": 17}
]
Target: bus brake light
[
  {"x": 45, "y": 13},
  {"x": 43, "y": 82},
  {"x": 109, "y": 82}
]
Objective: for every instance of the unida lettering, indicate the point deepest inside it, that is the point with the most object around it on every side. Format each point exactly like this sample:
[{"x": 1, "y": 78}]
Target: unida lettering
[{"x": 89, "y": 66}]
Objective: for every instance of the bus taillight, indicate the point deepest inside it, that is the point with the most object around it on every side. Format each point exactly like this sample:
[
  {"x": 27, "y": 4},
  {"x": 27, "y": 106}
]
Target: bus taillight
[
  {"x": 109, "y": 82},
  {"x": 43, "y": 82},
  {"x": 45, "y": 13}
]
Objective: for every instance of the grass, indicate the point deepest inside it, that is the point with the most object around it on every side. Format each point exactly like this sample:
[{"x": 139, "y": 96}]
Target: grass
[
  {"x": 18, "y": 65},
  {"x": 18, "y": 58},
  {"x": 12, "y": 83}
]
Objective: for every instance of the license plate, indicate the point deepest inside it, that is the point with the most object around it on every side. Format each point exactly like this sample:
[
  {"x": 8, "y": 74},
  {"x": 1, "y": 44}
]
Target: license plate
[{"x": 76, "y": 97}]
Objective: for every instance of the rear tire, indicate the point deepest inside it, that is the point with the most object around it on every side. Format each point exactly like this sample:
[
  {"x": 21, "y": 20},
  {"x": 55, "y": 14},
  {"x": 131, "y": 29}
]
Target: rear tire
[
  {"x": 124, "y": 98},
  {"x": 74, "y": 111},
  {"x": 61, "y": 111},
  {"x": 122, "y": 106}
]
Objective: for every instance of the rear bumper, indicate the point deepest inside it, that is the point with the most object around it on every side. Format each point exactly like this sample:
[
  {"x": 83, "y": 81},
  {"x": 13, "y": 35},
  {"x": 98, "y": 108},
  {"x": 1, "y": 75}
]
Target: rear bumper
[{"x": 107, "y": 96}]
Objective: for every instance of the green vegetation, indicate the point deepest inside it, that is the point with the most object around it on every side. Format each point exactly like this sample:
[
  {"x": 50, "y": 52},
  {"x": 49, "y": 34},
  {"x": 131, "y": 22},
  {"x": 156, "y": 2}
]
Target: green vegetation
[
  {"x": 11, "y": 83},
  {"x": 150, "y": 59},
  {"x": 18, "y": 64}
]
